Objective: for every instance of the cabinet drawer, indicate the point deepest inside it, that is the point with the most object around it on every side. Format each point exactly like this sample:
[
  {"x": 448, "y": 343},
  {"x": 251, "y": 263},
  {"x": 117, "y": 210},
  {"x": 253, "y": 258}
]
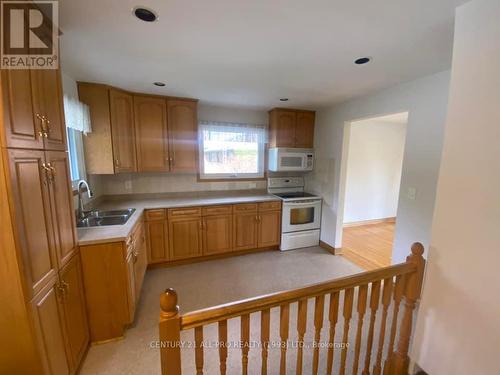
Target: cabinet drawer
[
  {"x": 270, "y": 206},
  {"x": 216, "y": 210},
  {"x": 155, "y": 214},
  {"x": 245, "y": 207},
  {"x": 184, "y": 212}
]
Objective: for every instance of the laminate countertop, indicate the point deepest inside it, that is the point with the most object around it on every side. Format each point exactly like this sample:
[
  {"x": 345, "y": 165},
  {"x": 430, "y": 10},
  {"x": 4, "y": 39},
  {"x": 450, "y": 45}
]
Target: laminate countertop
[{"x": 141, "y": 202}]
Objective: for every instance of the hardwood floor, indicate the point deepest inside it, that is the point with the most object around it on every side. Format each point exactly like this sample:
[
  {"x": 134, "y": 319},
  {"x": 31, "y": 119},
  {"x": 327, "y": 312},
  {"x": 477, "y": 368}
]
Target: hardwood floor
[{"x": 369, "y": 246}]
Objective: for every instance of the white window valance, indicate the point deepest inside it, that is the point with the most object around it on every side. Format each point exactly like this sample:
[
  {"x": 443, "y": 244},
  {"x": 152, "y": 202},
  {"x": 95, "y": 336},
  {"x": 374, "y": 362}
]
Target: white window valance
[
  {"x": 77, "y": 115},
  {"x": 255, "y": 130}
]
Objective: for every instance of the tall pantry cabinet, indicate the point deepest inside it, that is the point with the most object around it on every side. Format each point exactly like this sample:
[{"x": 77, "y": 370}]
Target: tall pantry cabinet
[{"x": 43, "y": 319}]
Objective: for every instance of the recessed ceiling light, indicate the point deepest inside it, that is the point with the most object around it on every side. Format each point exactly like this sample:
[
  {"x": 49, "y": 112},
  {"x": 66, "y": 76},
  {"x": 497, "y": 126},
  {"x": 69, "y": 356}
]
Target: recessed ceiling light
[
  {"x": 159, "y": 84},
  {"x": 363, "y": 60},
  {"x": 283, "y": 99},
  {"x": 145, "y": 14}
]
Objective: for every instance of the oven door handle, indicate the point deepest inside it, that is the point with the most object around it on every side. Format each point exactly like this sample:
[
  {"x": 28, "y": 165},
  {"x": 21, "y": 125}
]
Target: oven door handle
[{"x": 302, "y": 204}]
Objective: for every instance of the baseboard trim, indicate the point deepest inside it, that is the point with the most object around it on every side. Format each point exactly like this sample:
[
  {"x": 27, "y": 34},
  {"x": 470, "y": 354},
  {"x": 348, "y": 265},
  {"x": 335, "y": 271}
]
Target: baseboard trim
[
  {"x": 210, "y": 257},
  {"x": 370, "y": 222},
  {"x": 329, "y": 248}
]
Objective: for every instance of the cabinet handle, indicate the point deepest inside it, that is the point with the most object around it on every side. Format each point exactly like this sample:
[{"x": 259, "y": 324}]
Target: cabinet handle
[
  {"x": 46, "y": 169},
  {"x": 51, "y": 171},
  {"x": 65, "y": 286},
  {"x": 117, "y": 163},
  {"x": 43, "y": 133}
]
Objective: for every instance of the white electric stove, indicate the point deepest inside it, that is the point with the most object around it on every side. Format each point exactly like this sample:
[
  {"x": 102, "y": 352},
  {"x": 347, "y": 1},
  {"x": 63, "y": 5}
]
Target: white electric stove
[{"x": 301, "y": 216}]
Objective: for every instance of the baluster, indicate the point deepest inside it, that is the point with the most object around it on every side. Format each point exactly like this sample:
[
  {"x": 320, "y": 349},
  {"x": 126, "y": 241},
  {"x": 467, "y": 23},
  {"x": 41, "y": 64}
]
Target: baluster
[
  {"x": 170, "y": 328},
  {"x": 245, "y": 342},
  {"x": 301, "y": 330},
  {"x": 319, "y": 307},
  {"x": 374, "y": 302},
  {"x": 398, "y": 295},
  {"x": 386, "y": 300},
  {"x": 198, "y": 341},
  {"x": 223, "y": 346},
  {"x": 362, "y": 297},
  {"x": 284, "y": 321},
  {"x": 348, "y": 295},
  {"x": 333, "y": 315},
  {"x": 413, "y": 288},
  {"x": 264, "y": 337}
]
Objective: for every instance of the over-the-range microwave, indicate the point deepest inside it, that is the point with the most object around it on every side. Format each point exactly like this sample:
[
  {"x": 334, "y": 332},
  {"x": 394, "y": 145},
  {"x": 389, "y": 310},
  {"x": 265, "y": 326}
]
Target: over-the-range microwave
[{"x": 291, "y": 159}]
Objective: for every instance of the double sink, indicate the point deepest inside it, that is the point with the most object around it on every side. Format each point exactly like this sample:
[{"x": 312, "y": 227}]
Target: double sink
[{"x": 100, "y": 218}]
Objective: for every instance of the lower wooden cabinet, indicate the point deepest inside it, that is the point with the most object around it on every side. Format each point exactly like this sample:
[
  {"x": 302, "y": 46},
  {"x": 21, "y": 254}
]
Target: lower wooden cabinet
[
  {"x": 269, "y": 229},
  {"x": 185, "y": 235},
  {"x": 245, "y": 230},
  {"x": 113, "y": 275},
  {"x": 47, "y": 318},
  {"x": 72, "y": 302},
  {"x": 217, "y": 234},
  {"x": 60, "y": 320},
  {"x": 157, "y": 240},
  {"x": 188, "y": 232}
]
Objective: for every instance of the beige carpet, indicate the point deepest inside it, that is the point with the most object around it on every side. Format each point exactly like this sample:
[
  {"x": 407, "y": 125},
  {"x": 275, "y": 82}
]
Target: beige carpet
[{"x": 214, "y": 282}]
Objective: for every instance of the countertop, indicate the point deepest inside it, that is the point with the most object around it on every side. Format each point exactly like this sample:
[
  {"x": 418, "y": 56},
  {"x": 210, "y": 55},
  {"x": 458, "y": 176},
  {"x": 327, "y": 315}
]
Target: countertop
[{"x": 141, "y": 202}]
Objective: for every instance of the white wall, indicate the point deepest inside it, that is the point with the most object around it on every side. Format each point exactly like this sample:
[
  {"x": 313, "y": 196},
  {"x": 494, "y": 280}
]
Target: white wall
[
  {"x": 458, "y": 327},
  {"x": 426, "y": 101},
  {"x": 374, "y": 166}
]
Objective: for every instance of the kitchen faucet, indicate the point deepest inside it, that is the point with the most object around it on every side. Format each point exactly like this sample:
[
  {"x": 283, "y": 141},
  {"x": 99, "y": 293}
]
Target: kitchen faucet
[{"x": 80, "y": 214}]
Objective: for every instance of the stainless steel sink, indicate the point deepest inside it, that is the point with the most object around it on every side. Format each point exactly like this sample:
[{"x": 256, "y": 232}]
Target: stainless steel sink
[{"x": 99, "y": 218}]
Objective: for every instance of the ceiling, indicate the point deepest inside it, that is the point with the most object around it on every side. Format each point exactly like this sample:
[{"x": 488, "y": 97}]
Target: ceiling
[
  {"x": 251, "y": 53},
  {"x": 396, "y": 119}
]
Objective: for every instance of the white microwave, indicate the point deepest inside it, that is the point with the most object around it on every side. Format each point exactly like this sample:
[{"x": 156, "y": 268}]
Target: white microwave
[{"x": 291, "y": 159}]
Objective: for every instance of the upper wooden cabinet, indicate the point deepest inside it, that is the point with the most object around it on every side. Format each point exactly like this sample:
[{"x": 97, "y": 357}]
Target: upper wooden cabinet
[
  {"x": 33, "y": 109},
  {"x": 97, "y": 144},
  {"x": 122, "y": 129},
  {"x": 35, "y": 224},
  {"x": 138, "y": 133},
  {"x": 183, "y": 134},
  {"x": 291, "y": 128},
  {"x": 151, "y": 134}
]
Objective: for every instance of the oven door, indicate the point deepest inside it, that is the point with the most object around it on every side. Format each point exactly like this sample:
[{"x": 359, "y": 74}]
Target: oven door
[
  {"x": 301, "y": 215},
  {"x": 292, "y": 162}
]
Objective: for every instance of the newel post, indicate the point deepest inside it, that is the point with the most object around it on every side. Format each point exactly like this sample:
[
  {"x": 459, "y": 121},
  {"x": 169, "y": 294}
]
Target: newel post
[
  {"x": 170, "y": 330},
  {"x": 400, "y": 360}
]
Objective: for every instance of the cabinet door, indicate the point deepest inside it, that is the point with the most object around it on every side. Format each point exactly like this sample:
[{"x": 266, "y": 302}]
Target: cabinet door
[
  {"x": 151, "y": 134},
  {"x": 141, "y": 263},
  {"x": 269, "y": 228},
  {"x": 304, "y": 131},
  {"x": 22, "y": 127},
  {"x": 75, "y": 313},
  {"x": 48, "y": 100},
  {"x": 183, "y": 134},
  {"x": 130, "y": 287},
  {"x": 217, "y": 234},
  {"x": 157, "y": 241},
  {"x": 283, "y": 125},
  {"x": 245, "y": 230},
  {"x": 49, "y": 331},
  {"x": 62, "y": 205},
  {"x": 185, "y": 238},
  {"x": 122, "y": 130},
  {"x": 30, "y": 187}
]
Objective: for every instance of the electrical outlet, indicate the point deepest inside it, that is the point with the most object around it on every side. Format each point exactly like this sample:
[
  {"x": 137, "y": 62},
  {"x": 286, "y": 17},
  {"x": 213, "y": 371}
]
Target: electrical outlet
[
  {"x": 252, "y": 185},
  {"x": 412, "y": 193},
  {"x": 128, "y": 185}
]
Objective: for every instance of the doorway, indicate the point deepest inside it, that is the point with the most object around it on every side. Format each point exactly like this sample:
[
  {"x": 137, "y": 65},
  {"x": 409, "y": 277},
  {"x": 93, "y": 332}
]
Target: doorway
[{"x": 372, "y": 179}]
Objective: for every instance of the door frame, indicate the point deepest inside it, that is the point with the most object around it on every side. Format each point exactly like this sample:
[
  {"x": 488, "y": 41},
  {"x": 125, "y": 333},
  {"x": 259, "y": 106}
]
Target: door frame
[{"x": 339, "y": 225}]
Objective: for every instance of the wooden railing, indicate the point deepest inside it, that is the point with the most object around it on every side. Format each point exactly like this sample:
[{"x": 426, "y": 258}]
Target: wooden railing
[{"x": 387, "y": 287}]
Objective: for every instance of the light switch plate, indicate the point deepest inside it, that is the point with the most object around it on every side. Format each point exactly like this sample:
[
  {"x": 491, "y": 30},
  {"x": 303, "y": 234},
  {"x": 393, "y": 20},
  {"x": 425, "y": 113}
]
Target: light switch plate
[{"x": 412, "y": 193}]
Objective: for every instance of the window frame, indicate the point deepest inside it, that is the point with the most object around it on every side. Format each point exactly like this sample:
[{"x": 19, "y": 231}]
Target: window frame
[
  {"x": 75, "y": 138},
  {"x": 215, "y": 177}
]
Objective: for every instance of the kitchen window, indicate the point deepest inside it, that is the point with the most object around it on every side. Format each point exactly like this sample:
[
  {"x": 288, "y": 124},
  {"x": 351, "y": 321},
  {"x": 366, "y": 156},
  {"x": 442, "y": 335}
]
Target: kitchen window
[
  {"x": 231, "y": 151},
  {"x": 77, "y": 118}
]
